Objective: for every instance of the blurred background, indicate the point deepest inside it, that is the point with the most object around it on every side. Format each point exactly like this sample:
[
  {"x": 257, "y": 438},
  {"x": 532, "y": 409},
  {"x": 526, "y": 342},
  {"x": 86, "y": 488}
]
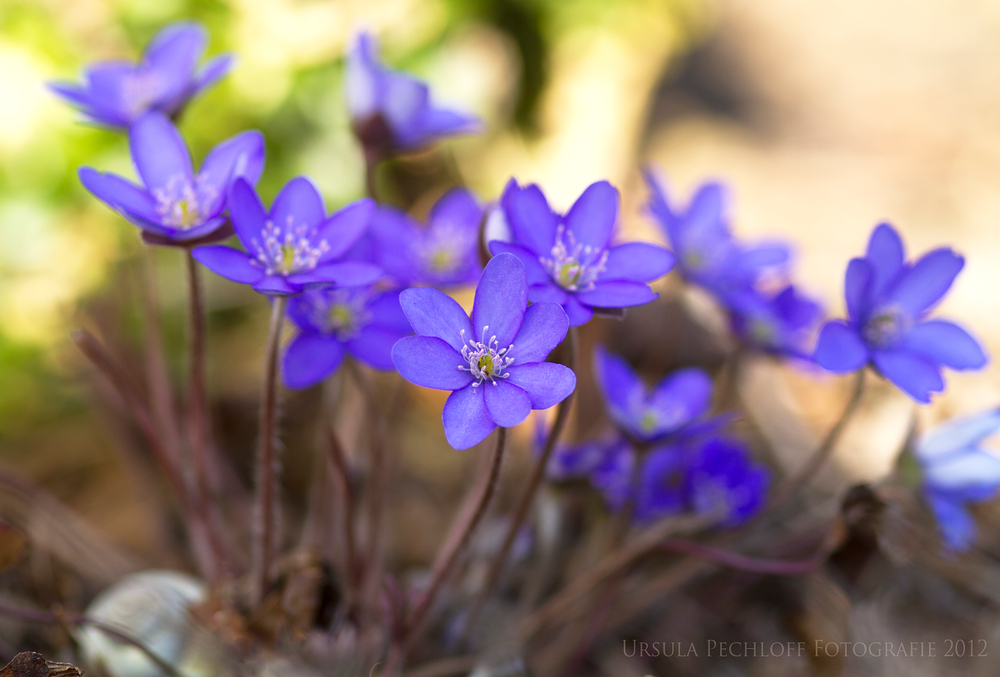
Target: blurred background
[{"x": 823, "y": 118}]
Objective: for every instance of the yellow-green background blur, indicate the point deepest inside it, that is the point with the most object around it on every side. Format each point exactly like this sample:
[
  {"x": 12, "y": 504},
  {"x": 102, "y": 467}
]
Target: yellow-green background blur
[{"x": 824, "y": 118}]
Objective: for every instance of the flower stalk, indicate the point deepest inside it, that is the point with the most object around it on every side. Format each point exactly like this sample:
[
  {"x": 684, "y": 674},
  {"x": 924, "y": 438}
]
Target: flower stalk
[{"x": 266, "y": 508}]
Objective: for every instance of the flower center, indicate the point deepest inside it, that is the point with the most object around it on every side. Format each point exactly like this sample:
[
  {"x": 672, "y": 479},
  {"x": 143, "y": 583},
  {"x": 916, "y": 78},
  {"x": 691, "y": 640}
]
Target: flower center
[
  {"x": 762, "y": 332},
  {"x": 574, "y": 266},
  {"x": 693, "y": 259},
  {"x": 648, "y": 422},
  {"x": 885, "y": 327},
  {"x": 140, "y": 90},
  {"x": 441, "y": 261},
  {"x": 288, "y": 250},
  {"x": 341, "y": 312},
  {"x": 182, "y": 203},
  {"x": 486, "y": 360}
]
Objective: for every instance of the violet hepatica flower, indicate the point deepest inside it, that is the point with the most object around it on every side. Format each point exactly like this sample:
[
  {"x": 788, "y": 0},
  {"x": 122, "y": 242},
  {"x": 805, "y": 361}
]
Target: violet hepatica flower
[
  {"x": 569, "y": 259},
  {"x": 676, "y": 402},
  {"x": 294, "y": 246},
  {"x": 707, "y": 252},
  {"x": 332, "y": 323},
  {"x": 888, "y": 300},
  {"x": 494, "y": 362},
  {"x": 116, "y": 93},
  {"x": 444, "y": 253},
  {"x": 723, "y": 480},
  {"x": 955, "y": 470},
  {"x": 175, "y": 205},
  {"x": 393, "y": 111},
  {"x": 778, "y": 325}
]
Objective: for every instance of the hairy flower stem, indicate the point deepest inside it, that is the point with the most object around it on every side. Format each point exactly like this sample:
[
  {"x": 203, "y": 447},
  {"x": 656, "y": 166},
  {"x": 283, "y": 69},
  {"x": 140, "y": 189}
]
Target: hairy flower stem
[
  {"x": 454, "y": 545},
  {"x": 265, "y": 516},
  {"x": 803, "y": 477},
  {"x": 528, "y": 495},
  {"x": 199, "y": 437}
]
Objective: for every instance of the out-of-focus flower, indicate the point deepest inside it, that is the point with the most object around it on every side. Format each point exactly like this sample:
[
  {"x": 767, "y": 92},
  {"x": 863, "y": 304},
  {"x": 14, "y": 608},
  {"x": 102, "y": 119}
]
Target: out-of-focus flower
[
  {"x": 493, "y": 362},
  {"x": 707, "y": 253},
  {"x": 294, "y": 246},
  {"x": 955, "y": 471},
  {"x": 888, "y": 300},
  {"x": 571, "y": 461},
  {"x": 646, "y": 415},
  {"x": 174, "y": 205},
  {"x": 723, "y": 480},
  {"x": 568, "y": 258},
  {"x": 444, "y": 253},
  {"x": 778, "y": 324},
  {"x": 392, "y": 111},
  {"x": 116, "y": 93},
  {"x": 334, "y": 322}
]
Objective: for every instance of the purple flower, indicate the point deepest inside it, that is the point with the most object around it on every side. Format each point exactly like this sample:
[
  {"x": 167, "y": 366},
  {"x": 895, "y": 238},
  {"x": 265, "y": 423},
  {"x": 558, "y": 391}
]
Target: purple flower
[
  {"x": 333, "y": 322},
  {"x": 707, "y": 253},
  {"x": 676, "y": 402},
  {"x": 392, "y": 111},
  {"x": 780, "y": 324},
  {"x": 444, "y": 253},
  {"x": 888, "y": 300},
  {"x": 568, "y": 258},
  {"x": 294, "y": 246},
  {"x": 174, "y": 205},
  {"x": 493, "y": 362},
  {"x": 955, "y": 470},
  {"x": 571, "y": 461},
  {"x": 116, "y": 93},
  {"x": 723, "y": 480}
]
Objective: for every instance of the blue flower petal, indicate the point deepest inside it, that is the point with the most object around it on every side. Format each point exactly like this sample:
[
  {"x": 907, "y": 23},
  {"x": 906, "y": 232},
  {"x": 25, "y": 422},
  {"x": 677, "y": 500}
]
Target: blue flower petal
[
  {"x": 158, "y": 151},
  {"x": 434, "y": 313},
  {"x": 958, "y": 529},
  {"x": 661, "y": 484},
  {"x": 229, "y": 263},
  {"x": 839, "y": 348},
  {"x": 197, "y": 232},
  {"x": 119, "y": 194},
  {"x": 857, "y": 289},
  {"x": 680, "y": 398},
  {"x": 309, "y": 359},
  {"x": 247, "y": 214},
  {"x": 623, "y": 391},
  {"x": 341, "y": 274},
  {"x": 345, "y": 227},
  {"x": 885, "y": 255},
  {"x": 214, "y": 69},
  {"x": 373, "y": 346},
  {"x": 536, "y": 275},
  {"x": 914, "y": 375},
  {"x": 957, "y": 435},
  {"x": 927, "y": 281},
  {"x": 945, "y": 343},
  {"x": 529, "y": 217},
  {"x": 592, "y": 217},
  {"x": 430, "y": 362},
  {"x": 613, "y": 476},
  {"x": 546, "y": 383},
  {"x": 386, "y": 312},
  {"x": 299, "y": 204},
  {"x": 973, "y": 474},
  {"x": 544, "y": 327},
  {"x": 637, "y": 262},
  {"x": 276, "y": 285},
  {"x": 617, "y": 294},
  {"x": 506, "y": 404},
  {"x": 548, "y": 292},
  {"x": 239, "y": 157},
  {"x": 577, "y": 313},
  {"x": 501, "y": 299},
  {"x": 466, "y": 421}
]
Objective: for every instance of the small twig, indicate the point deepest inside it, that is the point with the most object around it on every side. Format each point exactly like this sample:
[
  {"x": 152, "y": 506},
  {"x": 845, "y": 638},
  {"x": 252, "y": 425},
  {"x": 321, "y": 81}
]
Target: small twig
[
  {"x": 266, "y": 516},
  {"x": 528, "y": 495},
  {"x": 454, "y": 545},
  {"x": 80, "y": 620},
  {"x": 801, "y": 479}
]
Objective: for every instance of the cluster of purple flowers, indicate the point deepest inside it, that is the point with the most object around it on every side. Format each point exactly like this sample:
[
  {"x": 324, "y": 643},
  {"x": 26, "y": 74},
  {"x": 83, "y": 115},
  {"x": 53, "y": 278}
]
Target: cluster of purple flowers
[
  {"x": 666, "y": 456},
  {"x": 365, "y": 282}
]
